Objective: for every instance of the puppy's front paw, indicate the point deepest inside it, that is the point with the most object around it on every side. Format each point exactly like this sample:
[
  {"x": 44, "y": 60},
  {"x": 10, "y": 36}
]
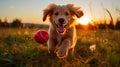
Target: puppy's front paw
[{"x": 62, "y": 53}]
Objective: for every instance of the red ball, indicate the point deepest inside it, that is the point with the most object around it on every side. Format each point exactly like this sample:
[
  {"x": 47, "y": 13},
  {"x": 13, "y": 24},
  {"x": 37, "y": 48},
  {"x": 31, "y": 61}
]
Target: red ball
[{"x": 41, "y": 36}]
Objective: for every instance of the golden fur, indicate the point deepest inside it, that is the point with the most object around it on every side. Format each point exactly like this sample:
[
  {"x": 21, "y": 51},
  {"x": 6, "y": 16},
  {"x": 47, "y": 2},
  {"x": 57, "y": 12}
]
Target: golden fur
[{"x": 62, "y": 31}]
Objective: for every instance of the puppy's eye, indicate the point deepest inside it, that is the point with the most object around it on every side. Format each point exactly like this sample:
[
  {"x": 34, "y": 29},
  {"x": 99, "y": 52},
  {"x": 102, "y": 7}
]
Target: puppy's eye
[
  {"x": 56, "y": 13},
  {"x": 66, "y": 13}
]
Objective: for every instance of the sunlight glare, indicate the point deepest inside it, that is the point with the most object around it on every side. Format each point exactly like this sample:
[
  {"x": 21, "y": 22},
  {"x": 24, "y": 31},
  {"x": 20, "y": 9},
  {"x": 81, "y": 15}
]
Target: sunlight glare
[{"x": 84, "y": 20}]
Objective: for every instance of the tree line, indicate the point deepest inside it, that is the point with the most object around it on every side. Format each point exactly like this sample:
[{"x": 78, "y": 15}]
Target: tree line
[
  {"x": 103, "y": 26},
  {"x": 16, "y": 23}
]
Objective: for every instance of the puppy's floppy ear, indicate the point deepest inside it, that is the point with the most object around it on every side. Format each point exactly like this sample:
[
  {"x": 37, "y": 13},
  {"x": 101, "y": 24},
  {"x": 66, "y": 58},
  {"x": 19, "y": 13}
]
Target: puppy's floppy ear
[
  {"x": 48, "y": 11},
  {"x": 75, "y": 10}
]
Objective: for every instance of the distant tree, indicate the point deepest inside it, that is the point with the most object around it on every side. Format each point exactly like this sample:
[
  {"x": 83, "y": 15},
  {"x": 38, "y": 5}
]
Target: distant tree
[
  {"x": 0, "y": 23},
  {"x": 111, "y": 25},
  {"x": 117, "y": 26},
  {"x": 17, "y": 23},
  {"x": 5, "y": 23},
  {"x": 102, "y": 26}
]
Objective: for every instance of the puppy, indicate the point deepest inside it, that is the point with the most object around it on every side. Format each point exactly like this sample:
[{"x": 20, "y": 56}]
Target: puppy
[{"x": 62, "y": 31}]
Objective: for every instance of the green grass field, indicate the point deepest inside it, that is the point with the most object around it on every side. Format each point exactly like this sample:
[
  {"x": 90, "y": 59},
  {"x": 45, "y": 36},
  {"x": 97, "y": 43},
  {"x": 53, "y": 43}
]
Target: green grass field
[{"x": 95, "y": 48}]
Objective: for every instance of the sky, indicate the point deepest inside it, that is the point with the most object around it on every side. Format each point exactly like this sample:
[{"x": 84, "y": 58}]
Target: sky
[{"x": 32, "y": 10}]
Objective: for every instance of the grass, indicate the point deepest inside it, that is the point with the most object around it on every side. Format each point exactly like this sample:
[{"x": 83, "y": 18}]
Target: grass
[{"x": 19, "y": 49}]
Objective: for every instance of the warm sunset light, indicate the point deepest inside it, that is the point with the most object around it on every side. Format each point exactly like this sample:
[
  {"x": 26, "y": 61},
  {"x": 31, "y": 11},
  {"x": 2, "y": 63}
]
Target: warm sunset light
[
  {"x": 84, "y": 20},
  {"x": 32, "y": 10}
]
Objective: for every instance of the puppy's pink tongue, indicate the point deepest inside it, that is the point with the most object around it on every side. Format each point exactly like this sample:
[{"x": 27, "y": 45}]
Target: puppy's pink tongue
[{"x": 60, "y": 29}]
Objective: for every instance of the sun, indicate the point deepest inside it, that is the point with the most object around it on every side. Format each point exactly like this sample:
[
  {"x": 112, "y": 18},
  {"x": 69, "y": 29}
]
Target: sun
[{"x": 84, "y": 20}]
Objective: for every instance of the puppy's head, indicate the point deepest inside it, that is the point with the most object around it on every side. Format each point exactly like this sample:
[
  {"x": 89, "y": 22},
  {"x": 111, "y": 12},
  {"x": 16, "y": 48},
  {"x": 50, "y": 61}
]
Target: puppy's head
[{"x": 61, "y": 17}]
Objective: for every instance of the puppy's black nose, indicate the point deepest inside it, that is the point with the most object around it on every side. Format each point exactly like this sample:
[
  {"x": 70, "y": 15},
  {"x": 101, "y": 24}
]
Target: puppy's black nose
[{"x": 61, "y": 20}]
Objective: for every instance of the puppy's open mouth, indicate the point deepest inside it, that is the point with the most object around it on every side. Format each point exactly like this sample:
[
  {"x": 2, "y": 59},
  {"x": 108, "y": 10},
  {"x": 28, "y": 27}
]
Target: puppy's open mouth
[{"x": 61, "y": 28}]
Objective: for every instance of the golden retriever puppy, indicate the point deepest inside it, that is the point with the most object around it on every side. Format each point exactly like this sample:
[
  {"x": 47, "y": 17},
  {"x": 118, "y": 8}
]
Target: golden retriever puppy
[{"x": 62, "y": 31}]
